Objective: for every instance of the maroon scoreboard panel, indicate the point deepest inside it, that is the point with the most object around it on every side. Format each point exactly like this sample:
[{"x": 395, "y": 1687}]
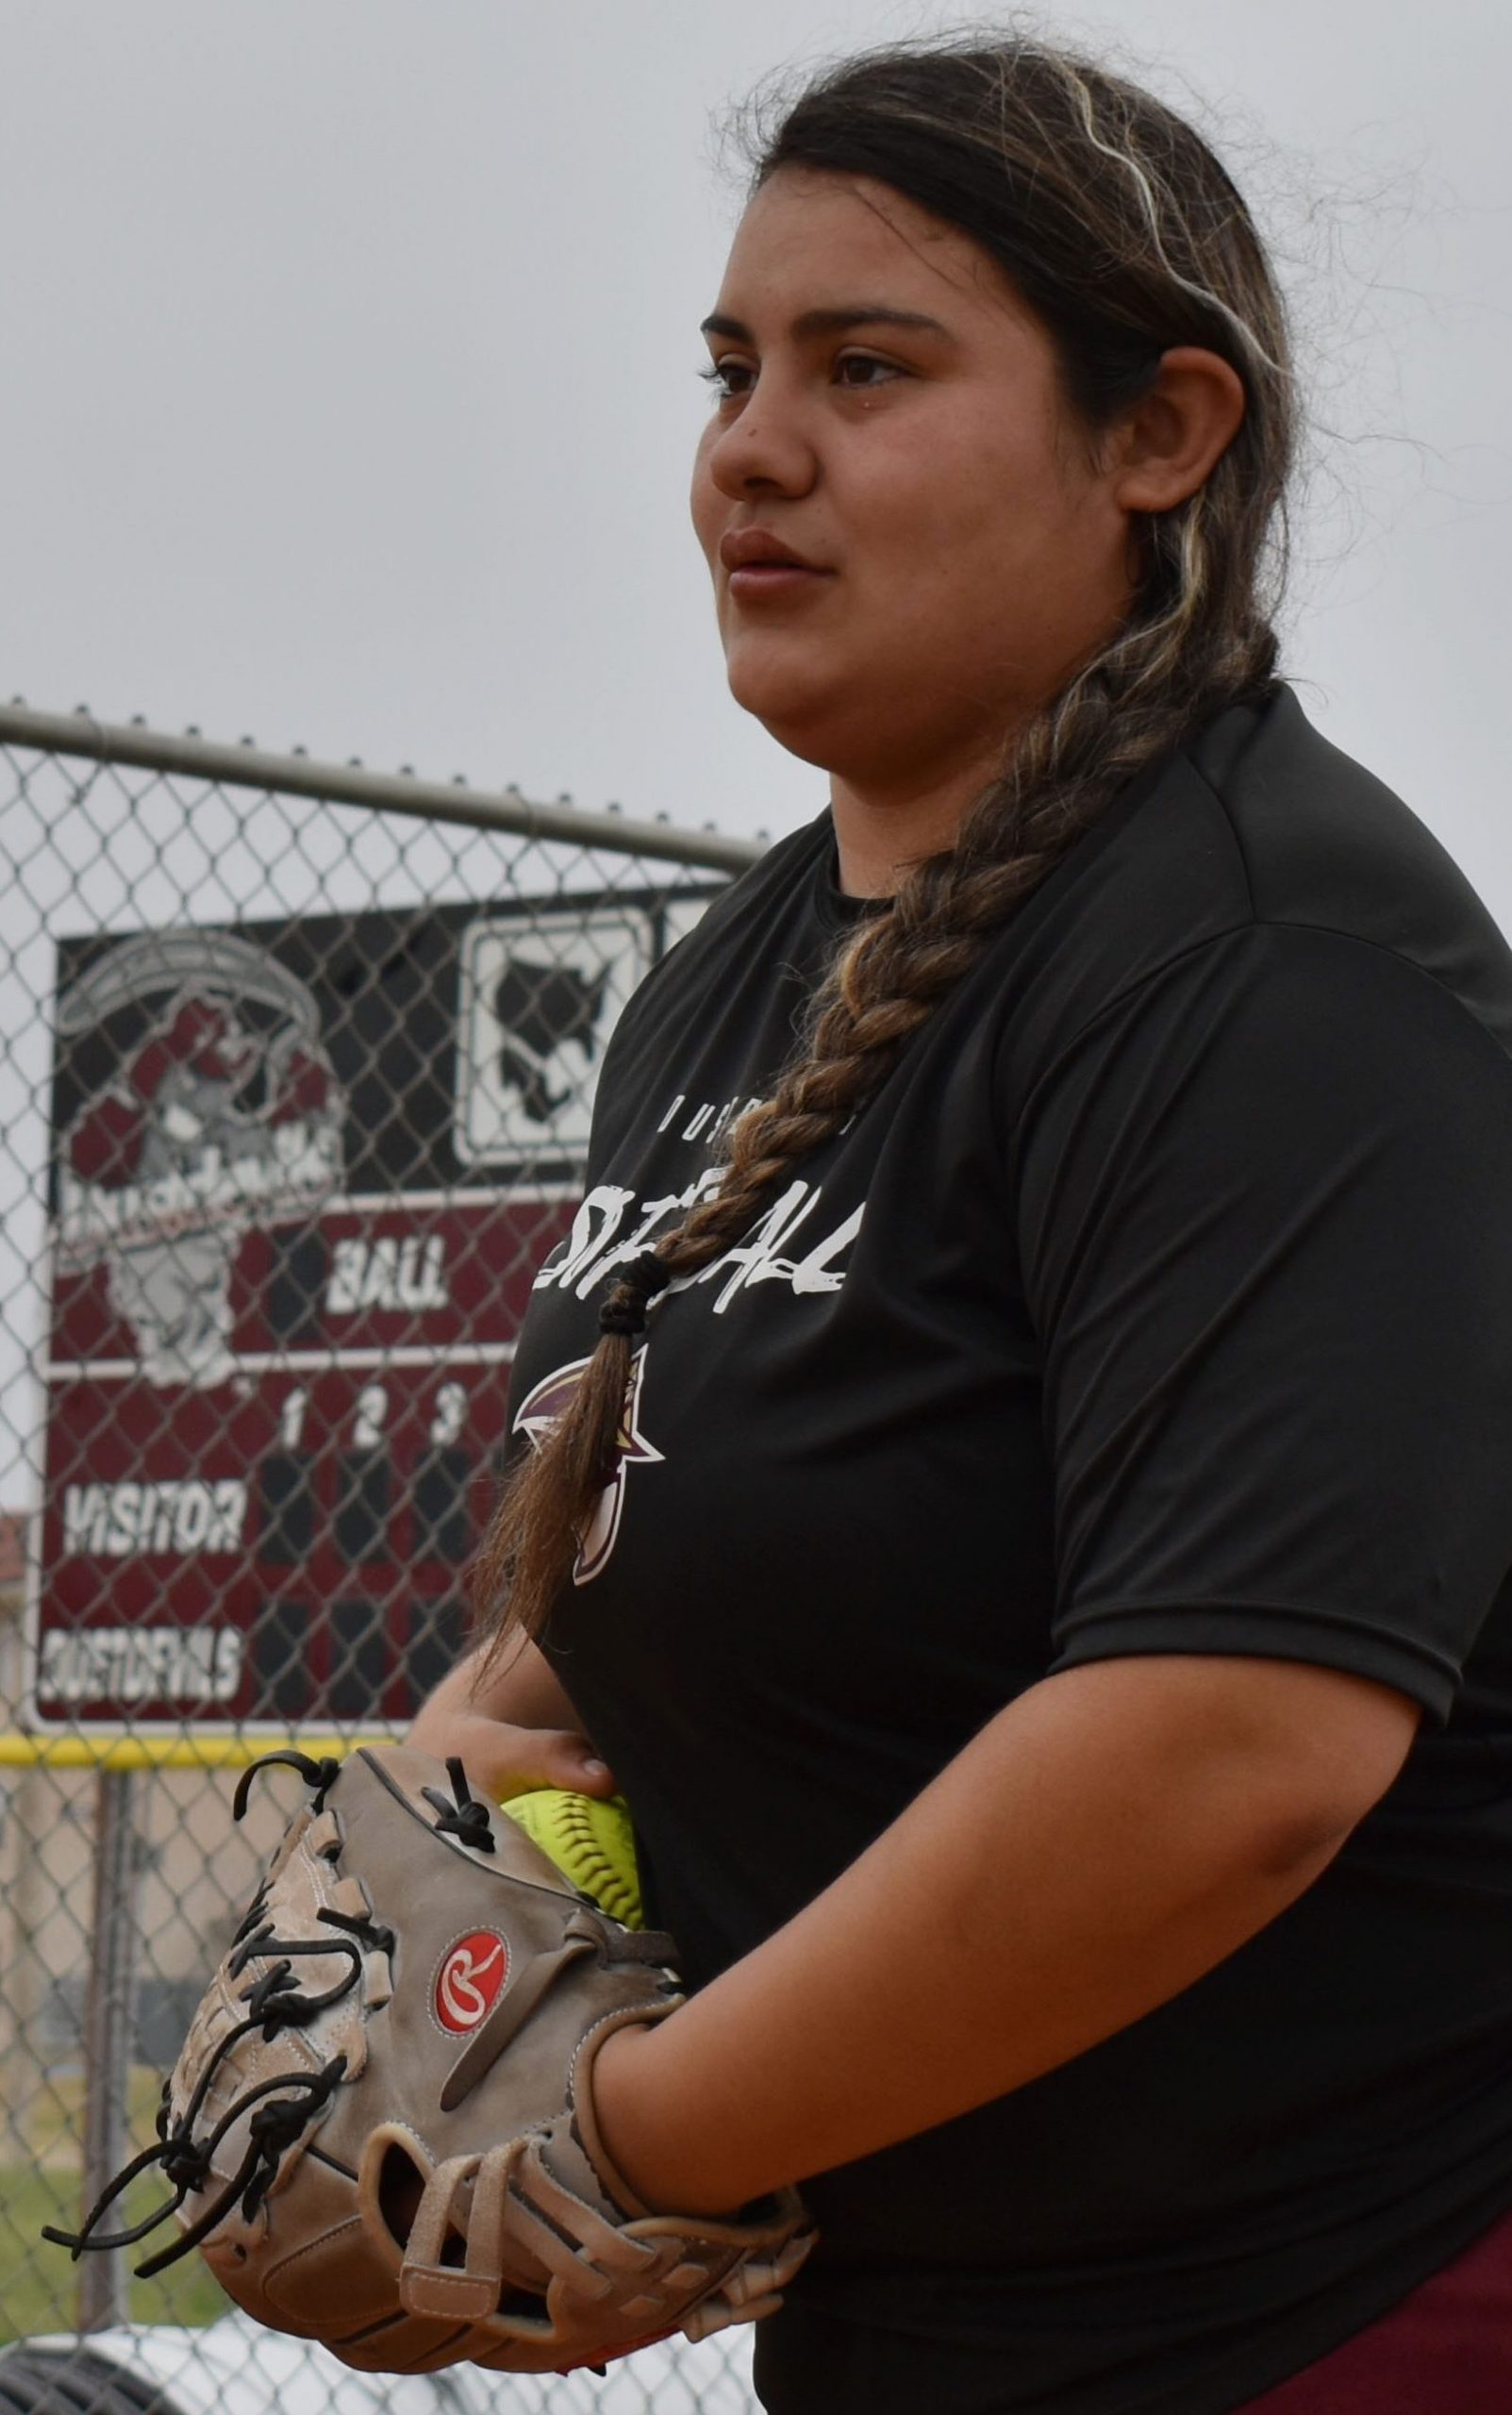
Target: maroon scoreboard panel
[{"x": 302, "y": 1173}]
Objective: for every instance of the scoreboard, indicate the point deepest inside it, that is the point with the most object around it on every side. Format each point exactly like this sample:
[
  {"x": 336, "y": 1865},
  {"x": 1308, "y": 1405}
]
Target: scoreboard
[{"x": 302, "y": 1173}]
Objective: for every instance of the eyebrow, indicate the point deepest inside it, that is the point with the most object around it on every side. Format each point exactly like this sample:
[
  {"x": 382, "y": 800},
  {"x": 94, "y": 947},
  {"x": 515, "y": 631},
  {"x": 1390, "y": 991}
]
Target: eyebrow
[{"x": 832, "y": 321}]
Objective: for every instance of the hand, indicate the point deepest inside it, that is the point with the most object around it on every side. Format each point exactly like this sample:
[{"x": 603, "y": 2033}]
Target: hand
[
  {"x": 502, "y": 1759},
  {"x": 509, "y": 1720}
]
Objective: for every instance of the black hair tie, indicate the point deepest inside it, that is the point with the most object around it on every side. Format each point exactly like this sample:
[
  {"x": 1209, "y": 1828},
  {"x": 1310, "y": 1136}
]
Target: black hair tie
[{"x": 624, "y": 1310}]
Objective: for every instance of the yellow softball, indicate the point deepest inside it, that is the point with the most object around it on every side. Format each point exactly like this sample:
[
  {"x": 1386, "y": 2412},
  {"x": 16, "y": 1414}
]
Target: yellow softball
[{"x": 591, "y": 1842}]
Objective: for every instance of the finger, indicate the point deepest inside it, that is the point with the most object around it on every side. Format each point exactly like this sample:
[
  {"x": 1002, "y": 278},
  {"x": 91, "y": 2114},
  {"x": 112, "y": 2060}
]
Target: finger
[
  {"x": 502, "y": 1761},
  {"x": 562, "y": 1757},
  {"x": 513, "y": 1760}
]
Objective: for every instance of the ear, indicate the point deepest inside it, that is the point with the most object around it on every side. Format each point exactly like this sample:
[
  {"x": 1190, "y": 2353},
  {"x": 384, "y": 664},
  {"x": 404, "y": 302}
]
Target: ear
[{"x": 1185, "y": 424}]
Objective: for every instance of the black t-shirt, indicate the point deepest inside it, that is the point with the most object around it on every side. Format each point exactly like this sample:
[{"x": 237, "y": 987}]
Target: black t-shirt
[{"x": 1161, "y": 1301}]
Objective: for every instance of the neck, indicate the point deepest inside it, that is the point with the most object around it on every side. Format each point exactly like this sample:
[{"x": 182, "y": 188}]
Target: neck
[{"x": 883, "y": 829}]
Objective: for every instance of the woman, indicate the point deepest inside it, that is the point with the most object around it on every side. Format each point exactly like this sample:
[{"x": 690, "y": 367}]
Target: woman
[{"x": 1019, "y": 1429}]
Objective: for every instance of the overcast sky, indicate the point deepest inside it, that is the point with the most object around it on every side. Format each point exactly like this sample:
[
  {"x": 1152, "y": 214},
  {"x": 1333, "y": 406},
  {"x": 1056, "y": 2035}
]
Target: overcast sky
[{"x": 349, "y": 387}]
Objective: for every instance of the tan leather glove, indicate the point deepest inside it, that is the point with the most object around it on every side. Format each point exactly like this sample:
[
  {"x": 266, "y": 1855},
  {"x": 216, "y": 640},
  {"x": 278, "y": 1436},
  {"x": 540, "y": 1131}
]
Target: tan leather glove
[{"x": 380, "y": 2130}]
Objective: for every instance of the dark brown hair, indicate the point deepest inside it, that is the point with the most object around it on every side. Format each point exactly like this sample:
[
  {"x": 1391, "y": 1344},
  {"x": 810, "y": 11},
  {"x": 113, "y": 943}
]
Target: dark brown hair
[{"x": 1118, "y": 226}]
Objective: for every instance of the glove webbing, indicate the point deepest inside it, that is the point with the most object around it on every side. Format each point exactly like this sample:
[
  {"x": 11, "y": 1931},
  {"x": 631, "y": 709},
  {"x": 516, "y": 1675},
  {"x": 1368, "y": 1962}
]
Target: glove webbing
[
  {"x": 428, "y": 2287},
  {"x": 588, "y": 2255}
]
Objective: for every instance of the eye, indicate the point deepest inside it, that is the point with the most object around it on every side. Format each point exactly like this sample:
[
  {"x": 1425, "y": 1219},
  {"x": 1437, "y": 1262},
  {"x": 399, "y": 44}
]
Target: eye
[
  {"x": 730, "y": 379},
  {"x": 861, "y": 370}
]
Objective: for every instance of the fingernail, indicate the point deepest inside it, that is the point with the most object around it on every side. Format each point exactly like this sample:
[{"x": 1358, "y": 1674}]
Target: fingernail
[{"x": 595, "y": 1768}]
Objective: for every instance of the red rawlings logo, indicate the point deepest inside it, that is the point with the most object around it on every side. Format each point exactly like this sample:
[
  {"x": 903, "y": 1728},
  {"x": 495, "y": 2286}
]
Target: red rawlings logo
[{"x": 470, "y": 1979}]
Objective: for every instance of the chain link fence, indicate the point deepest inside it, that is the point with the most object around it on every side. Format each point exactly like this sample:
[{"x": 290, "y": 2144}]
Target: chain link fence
[{"x": 295, "y": 1072}]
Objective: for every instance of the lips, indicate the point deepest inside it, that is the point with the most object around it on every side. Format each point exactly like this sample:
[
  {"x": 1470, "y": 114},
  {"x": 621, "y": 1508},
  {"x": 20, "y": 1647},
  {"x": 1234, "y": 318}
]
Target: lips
[{"x": 746, "y": 549}]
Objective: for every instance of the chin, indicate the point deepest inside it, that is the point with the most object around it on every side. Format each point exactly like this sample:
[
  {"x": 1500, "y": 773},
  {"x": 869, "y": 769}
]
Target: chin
[
  {"x": 792, "y": 707},
  {"x": 807, "y": 744}
]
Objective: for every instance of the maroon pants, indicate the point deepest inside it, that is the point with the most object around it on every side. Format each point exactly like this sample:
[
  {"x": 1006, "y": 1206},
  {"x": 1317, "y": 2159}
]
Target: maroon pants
[{"x": 1445, "y": 2350}]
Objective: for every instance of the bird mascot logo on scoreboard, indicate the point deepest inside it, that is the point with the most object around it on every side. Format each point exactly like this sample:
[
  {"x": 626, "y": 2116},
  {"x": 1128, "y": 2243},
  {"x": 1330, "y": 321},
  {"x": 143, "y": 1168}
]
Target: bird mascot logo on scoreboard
[{"x": 220, "y": 1113}]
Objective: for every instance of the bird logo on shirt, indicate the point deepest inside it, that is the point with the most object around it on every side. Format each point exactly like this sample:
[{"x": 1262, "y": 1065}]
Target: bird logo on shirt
[{"x": 540, "y": 1411}]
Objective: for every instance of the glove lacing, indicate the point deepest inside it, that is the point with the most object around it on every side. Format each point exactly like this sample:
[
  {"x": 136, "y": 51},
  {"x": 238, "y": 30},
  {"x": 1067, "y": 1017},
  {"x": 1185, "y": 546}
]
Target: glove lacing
[
  {"x": 467, "y": 1818},
  {"x": 273, "y": 2002}
]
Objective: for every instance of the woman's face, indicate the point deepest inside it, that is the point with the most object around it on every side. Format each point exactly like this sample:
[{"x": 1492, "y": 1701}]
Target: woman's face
[{"x": 911, "y": 539}]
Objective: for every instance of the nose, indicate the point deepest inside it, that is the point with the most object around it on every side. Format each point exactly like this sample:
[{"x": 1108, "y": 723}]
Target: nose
[{"x": 764, "y": 450}]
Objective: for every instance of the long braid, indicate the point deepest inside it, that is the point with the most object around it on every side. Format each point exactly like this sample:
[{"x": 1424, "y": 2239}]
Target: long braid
[{"x": 1197, "y": 638}]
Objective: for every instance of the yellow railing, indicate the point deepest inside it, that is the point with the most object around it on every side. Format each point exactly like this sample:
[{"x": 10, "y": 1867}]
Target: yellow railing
[{"x": 209, "y": 1752}]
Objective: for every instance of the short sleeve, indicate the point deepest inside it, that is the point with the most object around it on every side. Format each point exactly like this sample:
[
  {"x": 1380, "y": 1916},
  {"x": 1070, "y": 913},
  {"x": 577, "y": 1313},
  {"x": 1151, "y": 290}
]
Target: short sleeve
[{"x": 1265, "y": 1212}]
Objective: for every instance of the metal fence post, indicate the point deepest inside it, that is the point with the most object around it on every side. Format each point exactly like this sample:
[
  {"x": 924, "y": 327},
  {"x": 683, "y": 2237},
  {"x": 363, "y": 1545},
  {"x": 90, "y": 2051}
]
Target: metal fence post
[{"x": 108, "y": 2015}]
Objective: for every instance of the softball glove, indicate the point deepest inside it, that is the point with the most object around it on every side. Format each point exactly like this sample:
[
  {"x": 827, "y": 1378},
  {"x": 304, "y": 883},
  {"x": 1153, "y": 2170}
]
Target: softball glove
[{"x": 381, "y": 2131}]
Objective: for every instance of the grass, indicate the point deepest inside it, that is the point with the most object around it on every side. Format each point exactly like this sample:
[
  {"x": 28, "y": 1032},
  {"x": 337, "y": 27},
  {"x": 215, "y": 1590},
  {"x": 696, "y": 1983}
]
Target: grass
[
  {"x": 39, "y": 2282},
  {"x": 40, "y": 2183},
  {"x": 45, "y": 2120}
]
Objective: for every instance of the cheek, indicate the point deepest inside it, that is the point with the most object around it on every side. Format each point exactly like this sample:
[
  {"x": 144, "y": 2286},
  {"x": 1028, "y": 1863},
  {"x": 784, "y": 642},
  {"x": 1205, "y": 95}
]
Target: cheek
[
  {"x": 942, "y": 535},
  {"x": 980, "y": 516}
]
